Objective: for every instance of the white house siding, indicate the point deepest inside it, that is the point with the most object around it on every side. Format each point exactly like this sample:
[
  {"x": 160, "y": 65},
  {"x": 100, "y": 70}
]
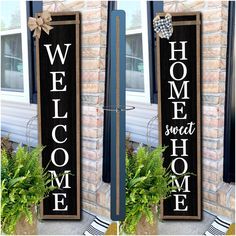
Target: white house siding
[
  {"x": 14, "y": 119},
  {"x": 137, "y": 122}
]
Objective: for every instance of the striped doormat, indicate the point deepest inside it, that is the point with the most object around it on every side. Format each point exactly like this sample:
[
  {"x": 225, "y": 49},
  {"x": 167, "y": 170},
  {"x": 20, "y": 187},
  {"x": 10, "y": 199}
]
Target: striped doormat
[
  {"x": 97, "y": 227},
  {"x": 218, "y": 227}
]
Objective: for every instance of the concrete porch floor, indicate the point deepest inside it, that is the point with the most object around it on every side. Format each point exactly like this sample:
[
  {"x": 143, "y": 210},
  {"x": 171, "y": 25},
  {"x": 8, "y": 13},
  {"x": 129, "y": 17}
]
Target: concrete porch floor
[
  {"x": 57, "y": 227},
  {"x": 50, "y": 227},
  {"x": 186, "y": 227}
]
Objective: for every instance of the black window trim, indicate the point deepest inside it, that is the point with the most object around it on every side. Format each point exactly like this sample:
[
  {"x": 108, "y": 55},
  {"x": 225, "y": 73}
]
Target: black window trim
[
  {"x": 32, "y": 7},
  {"x": 229, "y": 122},
  {"x": 153, "y": 8}
]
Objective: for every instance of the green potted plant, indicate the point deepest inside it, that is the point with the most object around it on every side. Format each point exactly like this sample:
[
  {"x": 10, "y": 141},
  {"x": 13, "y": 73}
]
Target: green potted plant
[
  {"x": 147, "y": 183},
  {"x": 24, "y": 183}
]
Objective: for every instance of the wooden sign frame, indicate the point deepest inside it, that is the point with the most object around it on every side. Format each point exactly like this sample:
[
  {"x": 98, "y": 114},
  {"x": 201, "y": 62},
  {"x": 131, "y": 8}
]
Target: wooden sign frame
[
  {"x": 178, "y": 20},
  {"x": 63, "y": 19}
]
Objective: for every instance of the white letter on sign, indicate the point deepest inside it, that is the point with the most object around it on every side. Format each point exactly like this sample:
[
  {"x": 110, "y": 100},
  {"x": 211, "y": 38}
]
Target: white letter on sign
[
  {"x": 178, "y": 202},
  {"x": 57, "y": 201},
  {"x": 56, "y": 101},
  {"x": 65, "y": 175},
  {"x": 178, "y": 109},
  {"x": 55, "y": 81},
  {"x": 185, "y": 166},
  {"x": 178, "y": 93},
  {"x": 66, "y": 157},
  {"x": 172, "y": 70},
  {"x": 178, "y": 50},
  {"x": 174, "y": 147},
  {"x": 183, "y": 183},
  {"x": 54, "y": 133},
  {"x": 58, "y": 49}
]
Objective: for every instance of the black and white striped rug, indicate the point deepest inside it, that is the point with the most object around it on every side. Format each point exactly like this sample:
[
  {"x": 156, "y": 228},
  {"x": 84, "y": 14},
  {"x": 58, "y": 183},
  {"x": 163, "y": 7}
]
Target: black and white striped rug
[
  {"x": 218, "y": 227},
  {"x": 97, "y": 227}
]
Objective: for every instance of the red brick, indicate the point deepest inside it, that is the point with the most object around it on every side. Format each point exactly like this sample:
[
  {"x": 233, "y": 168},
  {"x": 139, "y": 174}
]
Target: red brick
[
  {"x": 211, "y": 27},
  {"x": 209, "y": 186},
  {"x": 93, "y": 4},
  {"x": 212, "y": 39},
  {"x": 88, "y": 196},
  {"x": 95, "y": 209},
  {"x": 214, "y": 4},
  {"x": 209, "y": 196},
  {"x": 213, "y": 122},
  {"x": 211, "y": 64},
  {"x": 224, "y": 26},
  {"x": 74, "y": 5},
  {"x": 92, "y": 154},
  {"x": 89, "y": 186},
  {"x": 91, "y": 27},
  {"x": 93, "y": 87},
  {"x": 223, "y": 52},
  {"x": 212, "y": 154},
  {"x": 103, "y": 195},
  {"x": 212, "y": 143},
  {"x": 223, "y": 64},
  {"x": 91, "y": 39},
  {"x": 92, "y": 177},
  {"x": 211, "y": 176},
  {"x": 213, "y": 110},
  {"x": 222, "y": 194},
  {"x": 91, "y": 165},
  {"x": 92, "y": 100},
  {"x": 91, "y": 121},
  {"x": 223, "y": 39},
  {"x": 211, "y": 76},
  {"x": 213, "y": 99},
  {"x": 90, "y": 64},
  {"x": 92, "y": 14},
  {"x": 92, "y": 111},
  {"x": 212, "y": 132},
  {"x": 222, "y": 76},
  {"x": 231, "y": 202},
  {"x": 90, "y": 75},
  {"x": 211, "y": 52},
  {"x": 212, "y": 14},
  {"x": 92, "y": 132},
  {"x": 210, "y": 165},
  {"x": 90, "y": 52},
  {"x": 213, "y": 88}
]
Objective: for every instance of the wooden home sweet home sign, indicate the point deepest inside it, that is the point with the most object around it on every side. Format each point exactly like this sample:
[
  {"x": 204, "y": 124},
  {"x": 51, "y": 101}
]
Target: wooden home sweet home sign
[
  {"x": 58, "y": 81},
  {"x": 178, "y": 68}
]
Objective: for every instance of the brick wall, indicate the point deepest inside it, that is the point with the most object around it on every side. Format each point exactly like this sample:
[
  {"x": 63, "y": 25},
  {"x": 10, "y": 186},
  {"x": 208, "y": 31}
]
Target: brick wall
[
  {"x": 95, "y": 194},
  {"x": 218, "y": 197}
]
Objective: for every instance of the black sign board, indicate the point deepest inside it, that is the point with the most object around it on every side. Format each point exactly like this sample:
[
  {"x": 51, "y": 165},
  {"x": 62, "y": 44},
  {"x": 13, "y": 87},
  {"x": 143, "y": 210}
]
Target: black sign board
[
  {"x": 179, "y": 112},
  {"x": 58, "y": 77}
]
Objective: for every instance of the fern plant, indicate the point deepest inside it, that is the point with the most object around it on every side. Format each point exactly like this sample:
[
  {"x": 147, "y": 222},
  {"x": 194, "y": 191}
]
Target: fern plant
[
  {"x": 24, "y": 183},
  {"x": 147, "y": 182}
]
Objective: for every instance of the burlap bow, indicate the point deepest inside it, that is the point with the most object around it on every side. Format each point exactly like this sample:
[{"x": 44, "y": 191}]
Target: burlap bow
[
  {"x": 42, "y": 22},
  {"x": 163, "y": 26}
]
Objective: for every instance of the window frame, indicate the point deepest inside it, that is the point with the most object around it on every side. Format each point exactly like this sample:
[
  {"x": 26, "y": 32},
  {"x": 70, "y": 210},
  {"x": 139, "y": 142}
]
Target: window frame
[
  {"x": 143, "y": 97},
  {"x": 25, "y": 95}
]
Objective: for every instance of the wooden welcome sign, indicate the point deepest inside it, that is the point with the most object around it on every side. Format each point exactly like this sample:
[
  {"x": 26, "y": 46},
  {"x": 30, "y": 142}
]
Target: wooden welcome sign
[
  {"x": 179, "y": 112},
  {"x": 58, "y": 77}
]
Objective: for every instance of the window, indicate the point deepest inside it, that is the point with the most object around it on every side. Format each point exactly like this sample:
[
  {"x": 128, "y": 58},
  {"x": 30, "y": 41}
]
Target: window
[
  {"x": 137, "y": 55},
  {"x": 14, "y": 51}
]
